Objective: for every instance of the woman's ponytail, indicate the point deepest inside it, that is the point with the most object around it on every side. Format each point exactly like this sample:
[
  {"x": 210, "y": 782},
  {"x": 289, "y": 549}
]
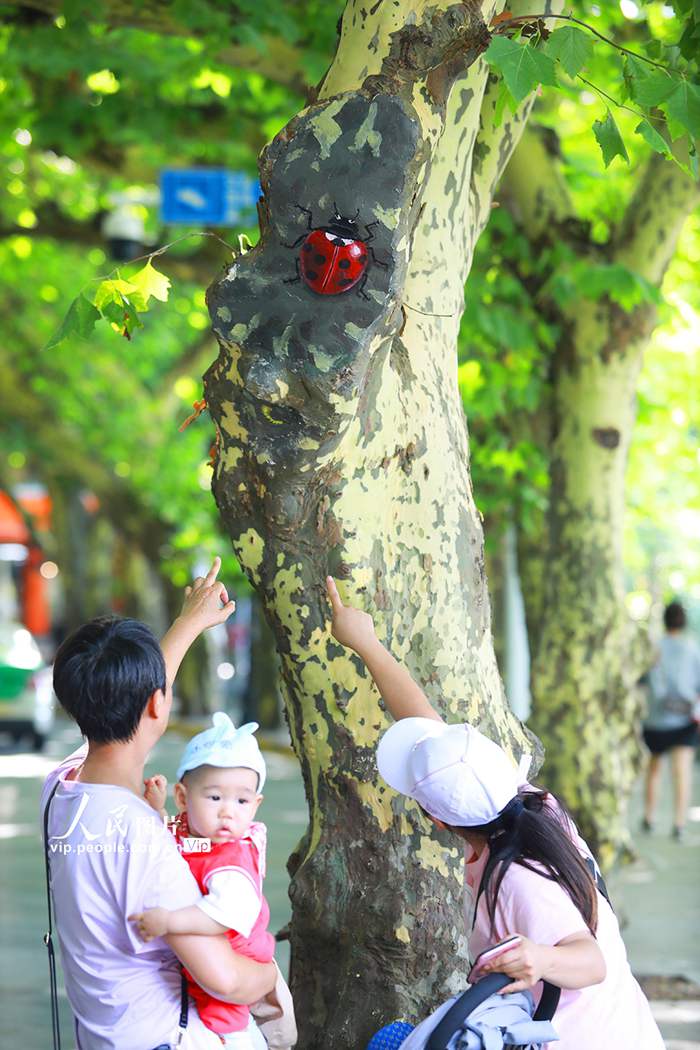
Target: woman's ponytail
[{"x": 534, "y": 831}]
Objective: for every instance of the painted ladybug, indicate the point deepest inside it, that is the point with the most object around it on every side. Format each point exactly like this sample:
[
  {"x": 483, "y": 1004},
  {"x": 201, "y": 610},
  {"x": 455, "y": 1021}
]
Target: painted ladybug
[{"x": 334, "y": 258}]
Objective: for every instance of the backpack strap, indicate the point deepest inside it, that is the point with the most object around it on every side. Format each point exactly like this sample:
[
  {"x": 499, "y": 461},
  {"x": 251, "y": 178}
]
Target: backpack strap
[
  {"x": 598, "y": 879},
  {"x": 48, "y": 941}
]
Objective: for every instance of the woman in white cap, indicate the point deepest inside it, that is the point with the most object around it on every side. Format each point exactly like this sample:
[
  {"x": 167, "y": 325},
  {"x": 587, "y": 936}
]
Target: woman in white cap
[{"x": 528, "y": 874}]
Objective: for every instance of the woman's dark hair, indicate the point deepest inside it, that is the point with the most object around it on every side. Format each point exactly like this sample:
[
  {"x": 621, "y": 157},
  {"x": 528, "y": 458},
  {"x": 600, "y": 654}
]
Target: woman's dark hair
[
  {"x": 104, "y": 674},
  {"x": 533, "y": 832},
  {"x": 674, "y": 617}
]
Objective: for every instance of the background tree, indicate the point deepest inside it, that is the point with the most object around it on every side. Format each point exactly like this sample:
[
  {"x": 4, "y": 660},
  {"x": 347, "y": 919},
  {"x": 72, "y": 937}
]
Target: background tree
[{"x": 590, "y": 260}]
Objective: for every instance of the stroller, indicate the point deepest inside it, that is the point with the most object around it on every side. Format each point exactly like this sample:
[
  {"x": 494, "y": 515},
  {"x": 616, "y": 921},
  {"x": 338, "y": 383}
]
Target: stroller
[{"x": 478, "y": 1019}]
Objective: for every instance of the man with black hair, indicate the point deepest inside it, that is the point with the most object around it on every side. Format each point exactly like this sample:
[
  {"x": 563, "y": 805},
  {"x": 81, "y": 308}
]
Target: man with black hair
[{"x": 110, "y": 855}]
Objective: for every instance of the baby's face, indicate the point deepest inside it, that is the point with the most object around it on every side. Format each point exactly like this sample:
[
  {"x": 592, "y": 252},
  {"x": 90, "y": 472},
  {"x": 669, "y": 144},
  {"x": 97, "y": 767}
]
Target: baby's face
[{"x": 220, "y": 803}]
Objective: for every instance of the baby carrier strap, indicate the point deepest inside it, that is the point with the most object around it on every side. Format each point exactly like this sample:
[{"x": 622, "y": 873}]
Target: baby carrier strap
[
  {"x": 48, "y": 940},
  {"x": 468, "y": 1002}
]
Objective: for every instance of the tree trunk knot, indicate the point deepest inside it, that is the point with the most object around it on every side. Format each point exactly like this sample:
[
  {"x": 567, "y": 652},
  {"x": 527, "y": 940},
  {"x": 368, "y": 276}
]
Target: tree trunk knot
[{"x": 608, "y": 437}]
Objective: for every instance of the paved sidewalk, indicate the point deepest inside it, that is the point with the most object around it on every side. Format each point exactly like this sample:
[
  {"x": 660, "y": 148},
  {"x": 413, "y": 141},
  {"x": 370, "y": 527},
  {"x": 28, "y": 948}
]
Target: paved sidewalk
[{"x": 657, "y": 899}]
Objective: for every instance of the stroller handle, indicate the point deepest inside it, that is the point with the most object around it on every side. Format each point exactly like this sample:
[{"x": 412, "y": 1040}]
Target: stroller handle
[{"x": 479, "y": 993}]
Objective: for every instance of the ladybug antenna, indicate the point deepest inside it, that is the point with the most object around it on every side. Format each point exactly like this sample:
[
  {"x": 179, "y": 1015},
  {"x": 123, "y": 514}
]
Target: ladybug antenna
[
  {"x": 356, "y": 215},
  {"x": 335, "y": 210}
]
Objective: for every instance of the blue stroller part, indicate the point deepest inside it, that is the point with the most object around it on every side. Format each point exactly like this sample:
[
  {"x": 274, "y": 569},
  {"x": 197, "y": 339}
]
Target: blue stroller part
[{"x": 479, "y": 1019}]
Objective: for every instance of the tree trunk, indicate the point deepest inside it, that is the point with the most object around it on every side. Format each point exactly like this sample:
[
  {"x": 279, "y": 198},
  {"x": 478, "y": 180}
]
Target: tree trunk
[
  {"x": 193, "y": 687},
  {"x": 71, "y": 527},
  {"x": 588, "y": 653},
  {"x": 343, "y": 450},
  {"x": 261, "y": 702}
]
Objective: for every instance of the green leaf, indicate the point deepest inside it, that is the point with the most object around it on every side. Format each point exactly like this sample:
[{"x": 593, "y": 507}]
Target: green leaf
[
  {"x": 148, "y": 282},
  {"x": 80, "y": 321},
  {"x": 652, "y": 138},
  {"x": 130, "y": 319},
  {"x": 609, "y": 139},
  {"x": 504, "y": 99},
  {"x": 684, "y": 106},
  {"x": 118, "y": 300},
  {"x": 112, "y": 291},
  {"x": 649, "y": 90},
  {"x": 522, "y": 65},
  {"x": 688, "y": 43},
  {"x": 571, "y": 47},
  {"x": 613, "y": 281}
]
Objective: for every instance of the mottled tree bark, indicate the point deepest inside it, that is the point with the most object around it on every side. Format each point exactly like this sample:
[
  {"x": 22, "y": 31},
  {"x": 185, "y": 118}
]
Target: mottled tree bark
[
  {"x": 588, "y": 654},
  {"x": 343, "y": 449}
]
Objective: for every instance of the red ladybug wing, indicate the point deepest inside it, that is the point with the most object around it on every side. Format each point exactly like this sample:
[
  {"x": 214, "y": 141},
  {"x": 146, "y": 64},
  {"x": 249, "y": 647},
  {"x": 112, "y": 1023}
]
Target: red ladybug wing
[
  {"x": 317, "y": 261},
  {"x": 348, "y": 267}
]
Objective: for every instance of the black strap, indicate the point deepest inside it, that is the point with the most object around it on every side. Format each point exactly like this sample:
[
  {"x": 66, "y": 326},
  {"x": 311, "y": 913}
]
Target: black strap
[
  {"x": 478, "y": 993},
  {"x": 48, "y": 941},
  {"x": 598, "y": 879},
  {"x": 184, "y": 1001}
]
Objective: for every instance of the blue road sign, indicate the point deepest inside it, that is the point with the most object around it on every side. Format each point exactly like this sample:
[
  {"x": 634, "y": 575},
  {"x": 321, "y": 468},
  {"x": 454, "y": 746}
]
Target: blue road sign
[{"x": 207, "y": 196}]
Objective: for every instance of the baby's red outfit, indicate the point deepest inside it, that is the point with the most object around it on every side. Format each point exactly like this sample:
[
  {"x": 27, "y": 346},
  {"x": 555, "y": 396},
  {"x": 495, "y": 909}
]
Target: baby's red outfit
[{"x": 230, "y": 876}]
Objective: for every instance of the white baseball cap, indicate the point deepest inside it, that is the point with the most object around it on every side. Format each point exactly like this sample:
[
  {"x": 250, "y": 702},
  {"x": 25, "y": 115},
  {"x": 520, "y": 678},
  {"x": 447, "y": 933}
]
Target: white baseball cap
[
  {"x": 226, "y": 747},
  {"x": 453, "y": 771}
]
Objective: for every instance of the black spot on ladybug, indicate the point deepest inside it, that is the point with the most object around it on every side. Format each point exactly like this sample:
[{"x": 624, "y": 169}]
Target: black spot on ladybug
[
  {"x": 311, "y": 274},
  {"x": 343, "y": 264},
  {"x": 336, "y": 240},
  {"x": 307, "y": 248},
  {"x": 363, "y": 259},
  {"x": 319, "y": 259},
  {"x": 344, "y": 282}
]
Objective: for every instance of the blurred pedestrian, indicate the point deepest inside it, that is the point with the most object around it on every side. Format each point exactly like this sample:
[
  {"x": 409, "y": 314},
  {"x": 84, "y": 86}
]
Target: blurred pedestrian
[{"x": 671, "y": 725}]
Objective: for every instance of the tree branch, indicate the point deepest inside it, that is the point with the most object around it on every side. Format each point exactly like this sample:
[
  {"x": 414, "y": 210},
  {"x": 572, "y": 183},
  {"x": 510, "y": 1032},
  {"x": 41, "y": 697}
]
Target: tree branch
[
  {"x": 646, "y": 237},
  {"x": 534, "y": 187},
  {"x": 52, "y": 224},
  {"x": 497, "y": 139}
]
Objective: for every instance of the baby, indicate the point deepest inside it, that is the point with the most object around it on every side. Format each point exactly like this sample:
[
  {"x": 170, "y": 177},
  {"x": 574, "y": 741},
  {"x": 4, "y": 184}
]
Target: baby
[{"x": 220, "y": 779}]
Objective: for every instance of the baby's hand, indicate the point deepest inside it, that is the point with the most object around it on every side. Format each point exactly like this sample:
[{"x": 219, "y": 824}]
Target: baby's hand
[
  {"x": 151, "y": 923},
  {"x": 350, "y": 627},
  {"x": 156, "y": 792}
]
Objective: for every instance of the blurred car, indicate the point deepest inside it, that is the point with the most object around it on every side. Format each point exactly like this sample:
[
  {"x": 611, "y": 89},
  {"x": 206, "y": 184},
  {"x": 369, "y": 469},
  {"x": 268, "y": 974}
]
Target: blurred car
[{"x": 26, "y": 690}]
